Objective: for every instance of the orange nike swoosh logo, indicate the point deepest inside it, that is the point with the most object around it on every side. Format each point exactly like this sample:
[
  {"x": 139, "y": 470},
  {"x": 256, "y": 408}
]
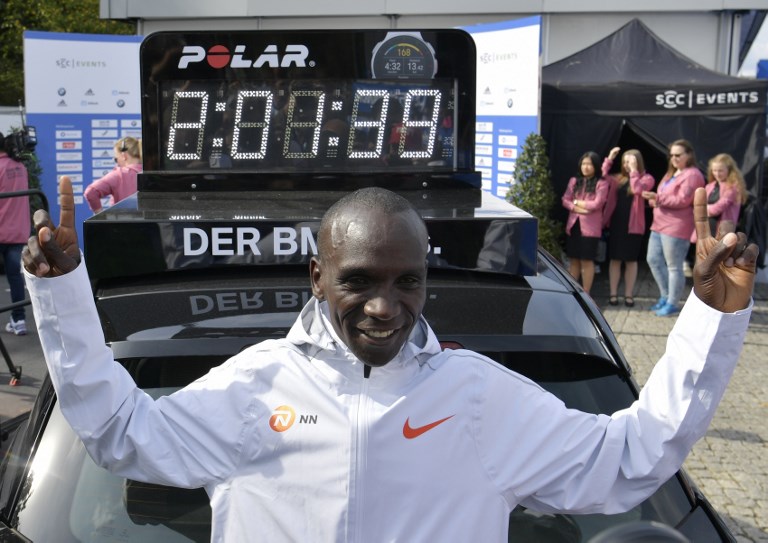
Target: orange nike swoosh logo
[{"x": 411, "y": 433}]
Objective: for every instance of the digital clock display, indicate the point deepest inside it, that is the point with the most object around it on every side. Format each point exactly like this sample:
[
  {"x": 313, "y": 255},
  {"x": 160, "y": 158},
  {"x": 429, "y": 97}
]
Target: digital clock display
[
  {"x": 308, "y": 124},
  {"x": 306, "y": 108}
]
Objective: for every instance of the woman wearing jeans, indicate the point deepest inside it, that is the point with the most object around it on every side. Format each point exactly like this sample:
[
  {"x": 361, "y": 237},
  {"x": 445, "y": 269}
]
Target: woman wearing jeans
[{"x": 672, "y": 225}]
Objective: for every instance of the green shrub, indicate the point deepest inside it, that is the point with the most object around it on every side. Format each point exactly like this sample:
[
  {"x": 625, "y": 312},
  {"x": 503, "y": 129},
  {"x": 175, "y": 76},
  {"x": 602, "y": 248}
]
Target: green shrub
[{"x": 532, "y": 191}]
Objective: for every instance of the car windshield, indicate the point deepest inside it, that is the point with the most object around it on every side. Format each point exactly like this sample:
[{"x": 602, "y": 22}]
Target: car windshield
[{"x": 82, "y": 502}]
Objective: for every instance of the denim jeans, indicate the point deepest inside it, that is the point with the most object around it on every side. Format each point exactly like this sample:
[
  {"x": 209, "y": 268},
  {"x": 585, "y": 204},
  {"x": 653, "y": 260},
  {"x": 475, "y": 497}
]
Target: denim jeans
[
  {"x": 665, "y": 258},
  {"x": 12, "y": 258}
]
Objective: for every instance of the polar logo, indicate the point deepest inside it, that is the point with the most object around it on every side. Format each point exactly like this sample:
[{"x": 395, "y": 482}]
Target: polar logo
[
  {"x": 219, "y": 56},
  {"x": 282, "y": 418},
  {"x": 671, "y": 99}
]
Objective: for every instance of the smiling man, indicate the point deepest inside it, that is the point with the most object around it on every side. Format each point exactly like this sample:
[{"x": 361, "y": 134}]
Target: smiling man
[
  {"x": 404, "y": 434},
  {"x": 375, "y": 289}
]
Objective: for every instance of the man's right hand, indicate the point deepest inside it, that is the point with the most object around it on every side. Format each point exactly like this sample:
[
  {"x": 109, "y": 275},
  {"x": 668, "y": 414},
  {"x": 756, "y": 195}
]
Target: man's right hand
[{"x": 54, "y": 250}]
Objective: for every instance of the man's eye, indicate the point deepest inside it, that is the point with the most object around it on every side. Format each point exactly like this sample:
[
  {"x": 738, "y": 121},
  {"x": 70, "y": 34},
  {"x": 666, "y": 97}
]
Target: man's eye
[
  {"x": 355, "y": 282},
  {"x": 410, "y": 282}
]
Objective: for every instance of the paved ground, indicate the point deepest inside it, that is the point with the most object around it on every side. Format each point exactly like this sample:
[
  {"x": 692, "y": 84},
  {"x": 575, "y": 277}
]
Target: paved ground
[
  {"x": 730, "y": 464},
  {"x": 24, "y": 351}
]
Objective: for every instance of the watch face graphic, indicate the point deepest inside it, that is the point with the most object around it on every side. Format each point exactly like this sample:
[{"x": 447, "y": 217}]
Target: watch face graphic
[{"x": 403, "y": 55}]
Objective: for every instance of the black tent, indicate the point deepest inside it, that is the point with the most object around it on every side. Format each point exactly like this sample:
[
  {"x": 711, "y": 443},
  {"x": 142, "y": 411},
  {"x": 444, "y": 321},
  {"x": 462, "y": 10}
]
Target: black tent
[{"x": 633, "y": 90}]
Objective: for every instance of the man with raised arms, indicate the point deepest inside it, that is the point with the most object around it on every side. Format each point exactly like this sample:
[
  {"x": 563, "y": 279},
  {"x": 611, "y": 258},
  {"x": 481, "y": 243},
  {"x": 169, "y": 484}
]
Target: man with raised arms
[{"x": 411, "y": 443}]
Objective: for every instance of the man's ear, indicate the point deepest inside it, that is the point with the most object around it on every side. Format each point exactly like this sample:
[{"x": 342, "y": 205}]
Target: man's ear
[{"x": 315, "y": 274}]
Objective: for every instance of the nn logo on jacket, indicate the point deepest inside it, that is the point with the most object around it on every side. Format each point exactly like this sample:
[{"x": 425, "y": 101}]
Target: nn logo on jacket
[{"x": 284, "y": 416}]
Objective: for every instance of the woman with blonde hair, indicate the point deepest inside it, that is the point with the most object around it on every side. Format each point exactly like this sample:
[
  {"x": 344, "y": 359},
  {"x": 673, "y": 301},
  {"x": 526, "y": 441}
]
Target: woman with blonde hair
[
  {"x": 672, "y": 225},
  {"x": 726, "y": 192},
  {"x": 121, "y": 181},
  {"x": 624, "y": 216}
]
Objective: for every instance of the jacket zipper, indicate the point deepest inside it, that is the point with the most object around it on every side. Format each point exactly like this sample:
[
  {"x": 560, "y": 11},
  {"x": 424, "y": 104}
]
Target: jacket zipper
[{"x": 361, "y": 446}]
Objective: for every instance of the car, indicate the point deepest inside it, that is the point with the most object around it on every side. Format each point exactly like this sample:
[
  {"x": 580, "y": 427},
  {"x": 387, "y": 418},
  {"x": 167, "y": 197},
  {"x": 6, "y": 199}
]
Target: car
[{"x": 8, "y": 429}]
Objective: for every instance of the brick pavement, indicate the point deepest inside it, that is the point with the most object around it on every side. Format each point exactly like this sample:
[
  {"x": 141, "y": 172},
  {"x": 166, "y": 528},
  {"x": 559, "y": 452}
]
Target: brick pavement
[{"x": 730, "y": 464}]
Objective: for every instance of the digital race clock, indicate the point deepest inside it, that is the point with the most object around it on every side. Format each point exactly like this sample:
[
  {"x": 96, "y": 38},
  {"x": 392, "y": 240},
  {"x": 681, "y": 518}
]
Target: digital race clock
[{"x": 311, "y": 103}]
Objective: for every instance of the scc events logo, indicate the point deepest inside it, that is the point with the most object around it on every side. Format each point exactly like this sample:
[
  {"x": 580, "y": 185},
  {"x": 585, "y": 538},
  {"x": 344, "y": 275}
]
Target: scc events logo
[
  {"x": 672, "y": 99},
  {"x": 219, "y": 56}
]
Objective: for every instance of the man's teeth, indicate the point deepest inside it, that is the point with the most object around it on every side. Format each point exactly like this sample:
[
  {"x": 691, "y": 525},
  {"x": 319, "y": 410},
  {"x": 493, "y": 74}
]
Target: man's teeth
[{"x": 379, "y": 333}]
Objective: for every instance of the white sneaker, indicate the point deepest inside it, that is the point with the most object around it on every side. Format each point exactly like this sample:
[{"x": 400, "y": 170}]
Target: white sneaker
[{"x": 18, "y": 328}]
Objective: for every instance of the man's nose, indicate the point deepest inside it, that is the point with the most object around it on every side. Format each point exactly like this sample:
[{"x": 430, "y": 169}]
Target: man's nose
[{"x": 382, "y": 305}]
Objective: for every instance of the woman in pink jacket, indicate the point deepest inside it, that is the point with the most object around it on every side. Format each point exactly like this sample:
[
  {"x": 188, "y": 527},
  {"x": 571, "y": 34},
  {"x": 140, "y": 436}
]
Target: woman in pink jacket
[
  {"x": 624, "y": 217},
  {"x": 672, "y": 225},
  {"x": 585, "y": 199},
  {"x": 121, "y": 181},
  {"x": 726, "y": 192},
  {"x": 15, "y": 227}
]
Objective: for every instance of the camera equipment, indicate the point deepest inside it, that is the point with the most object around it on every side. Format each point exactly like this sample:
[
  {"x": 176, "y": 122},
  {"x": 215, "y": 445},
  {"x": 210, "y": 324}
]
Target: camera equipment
[{"x": 20, "y": 140}]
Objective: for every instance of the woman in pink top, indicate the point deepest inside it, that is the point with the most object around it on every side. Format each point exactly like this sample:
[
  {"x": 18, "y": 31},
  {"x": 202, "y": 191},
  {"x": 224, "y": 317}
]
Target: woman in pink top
[
  {"x": 672, "y": 225},
  {"x": 726, "y": 192},
  {"x": 584, "y": 198},
  {"x": 15, "y": 228},
  {"x": 121, "y": 181},
  {"x": 624, "y": 216}
]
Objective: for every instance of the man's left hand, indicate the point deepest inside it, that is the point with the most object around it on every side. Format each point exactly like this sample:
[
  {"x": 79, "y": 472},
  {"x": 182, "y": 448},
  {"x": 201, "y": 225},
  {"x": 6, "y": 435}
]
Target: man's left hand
[{"x": 724, "y": 274}]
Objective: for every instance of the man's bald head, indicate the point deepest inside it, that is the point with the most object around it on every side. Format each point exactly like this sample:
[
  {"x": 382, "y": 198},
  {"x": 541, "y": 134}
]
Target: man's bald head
[{"x": 334, "y": 225}]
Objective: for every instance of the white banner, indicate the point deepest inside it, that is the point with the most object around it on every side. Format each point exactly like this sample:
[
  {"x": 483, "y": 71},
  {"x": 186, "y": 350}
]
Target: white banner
[
  {"x": 82, "y": 94},
  {"x": 81, "y": 73}
]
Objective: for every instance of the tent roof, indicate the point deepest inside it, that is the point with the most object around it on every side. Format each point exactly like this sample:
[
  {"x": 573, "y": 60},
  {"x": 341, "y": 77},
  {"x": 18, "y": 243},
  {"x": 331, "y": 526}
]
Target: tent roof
[{"x": 633, "y": 54}]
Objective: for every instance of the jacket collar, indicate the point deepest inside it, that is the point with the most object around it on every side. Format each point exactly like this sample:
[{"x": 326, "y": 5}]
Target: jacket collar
[{"x": 313, "y": 333}]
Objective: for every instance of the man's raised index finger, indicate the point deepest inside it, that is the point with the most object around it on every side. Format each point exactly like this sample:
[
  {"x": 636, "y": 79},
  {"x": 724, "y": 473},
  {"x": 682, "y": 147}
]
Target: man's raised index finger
[
  {"x": 66, "y": 202},
  {"x": 700, "y": 215}
]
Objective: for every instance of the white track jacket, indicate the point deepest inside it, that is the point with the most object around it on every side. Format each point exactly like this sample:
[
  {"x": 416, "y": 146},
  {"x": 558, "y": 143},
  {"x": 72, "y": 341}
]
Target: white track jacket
[{"x": 292, "y": 443}]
